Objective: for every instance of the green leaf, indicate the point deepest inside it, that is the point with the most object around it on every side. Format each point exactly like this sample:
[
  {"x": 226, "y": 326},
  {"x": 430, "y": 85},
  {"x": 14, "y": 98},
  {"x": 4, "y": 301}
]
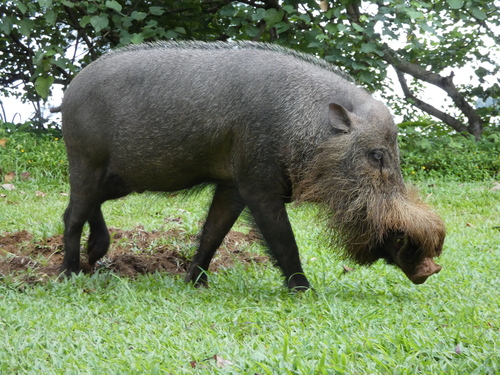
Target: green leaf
[
  {"x": 84, "y": 21},
  {"x": 366, "y": 76},
  {"x": 259, "y": 14},
  {"x": 138, "y": 16},
  {"x": 227, "y": 11},
  {"x": 425, "y": 27},
  {"x": 22, "y": 8},
  {"x": 24, "y": 126},
  {"x": 368, "y": 47},
  {"x": 42, "y": 86},
  {"x": 50, "y": 17},
  {"x": 455, "y": 4},
  {"x": 91, "y": 7},
  {"x": 26, "y": 27},
  {"x": 479, "y": 14},
  {"x": 147, "y": 32},
  {"x": 45, "y": 3},
  {"x": 156, "y": 11},
  {"x": 125, "y": 39},
  {"x": 305, "y": 18},
  {"x": 481, "y": 72},
  {"x": 358, "y": 28},
  {"x": 69, "y": 4},
  {"x": 137, "y": 39},
  {"x": 171, "y": 34},
  {"x": 273, "y": 16},
  {"x": 127, "y": 22},
  {"x": 6, "y": 24},
  {"x": 250, "y": 30},
  {"x": 113, "y": 4},
  {"x": 358, "y": 66},
  {"x": 414, "y": 14},
  {"x": 318, "y": 44},
  {"x": 99, "y": 22},
  {"x": 331, "y": 28},
  {"x": 61, "y": 63},
  {"x": 281, "y": 27}
]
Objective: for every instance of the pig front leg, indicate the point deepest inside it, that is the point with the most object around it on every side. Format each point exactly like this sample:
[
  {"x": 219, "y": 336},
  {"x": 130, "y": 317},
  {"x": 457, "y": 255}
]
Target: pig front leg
[
  {"x": 269, "y": 212},
  {"x": 225, "y": 209}
]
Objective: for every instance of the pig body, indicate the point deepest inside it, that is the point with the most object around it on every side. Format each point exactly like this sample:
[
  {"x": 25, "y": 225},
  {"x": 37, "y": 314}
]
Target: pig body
[{"x": 257, "y": 121}]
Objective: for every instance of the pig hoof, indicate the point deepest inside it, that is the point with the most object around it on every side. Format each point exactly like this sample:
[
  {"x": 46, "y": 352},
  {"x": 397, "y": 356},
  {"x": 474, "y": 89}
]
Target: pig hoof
[
  {"x": 298, "y": 283},
  {"x": 68, "y": 272},
  {"x": 197, "y": 277}
]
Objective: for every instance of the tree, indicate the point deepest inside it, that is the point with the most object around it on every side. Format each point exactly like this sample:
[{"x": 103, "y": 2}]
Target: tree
[{"x": 44, "y": 42}]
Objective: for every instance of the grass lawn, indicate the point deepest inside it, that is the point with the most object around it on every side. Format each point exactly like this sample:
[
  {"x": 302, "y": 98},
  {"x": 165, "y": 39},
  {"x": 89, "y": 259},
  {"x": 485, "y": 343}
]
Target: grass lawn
[{"x": 367, "y": 321}]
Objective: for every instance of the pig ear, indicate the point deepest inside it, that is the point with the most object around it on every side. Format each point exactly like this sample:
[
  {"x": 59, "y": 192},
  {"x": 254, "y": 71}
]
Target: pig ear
[{"x": 340, "y": 118}]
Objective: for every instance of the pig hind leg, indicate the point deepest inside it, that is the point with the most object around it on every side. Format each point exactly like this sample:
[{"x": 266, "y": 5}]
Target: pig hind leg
[
  {"x": 77, "y": 213},
  {"x": 88, "y": 190},
  {"x": 98, "y": 242},
  {"x": 225, "y": 209},
  {"x": 269, "y": 212},
  {"x": 112, "y": 187}
]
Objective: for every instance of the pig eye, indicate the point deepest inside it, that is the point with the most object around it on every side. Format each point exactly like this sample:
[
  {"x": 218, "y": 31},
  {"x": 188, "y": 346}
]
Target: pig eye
[{"x": 377, "y": 156}]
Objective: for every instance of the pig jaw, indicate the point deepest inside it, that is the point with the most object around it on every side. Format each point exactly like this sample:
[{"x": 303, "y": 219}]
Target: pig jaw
[
  {"x": 425, "y": 269},
  {"x": 406, "y": 256}
]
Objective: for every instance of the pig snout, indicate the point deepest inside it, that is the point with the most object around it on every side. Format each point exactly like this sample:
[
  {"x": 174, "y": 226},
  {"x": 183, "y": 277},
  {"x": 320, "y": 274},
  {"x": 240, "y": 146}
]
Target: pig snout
[{"x": 427, "y": 268}]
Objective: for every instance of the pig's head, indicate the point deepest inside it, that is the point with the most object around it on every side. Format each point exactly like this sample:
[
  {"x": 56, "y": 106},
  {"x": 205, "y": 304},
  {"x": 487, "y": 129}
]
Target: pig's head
[{"x": 356, "y": 176}]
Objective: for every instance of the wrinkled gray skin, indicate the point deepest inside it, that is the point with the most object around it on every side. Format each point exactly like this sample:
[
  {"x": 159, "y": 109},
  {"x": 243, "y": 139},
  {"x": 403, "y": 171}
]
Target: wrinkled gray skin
[{"x": 166, "y": 117}]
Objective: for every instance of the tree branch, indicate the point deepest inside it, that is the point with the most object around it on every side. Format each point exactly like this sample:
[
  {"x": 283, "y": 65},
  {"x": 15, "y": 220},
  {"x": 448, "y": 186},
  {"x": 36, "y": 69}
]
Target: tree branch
[
  {"x": 475, "y": 123},
  {"x": 81, "y": 31},
  {"x": 445, "y": 83},
  {"x": 446, "y": 118}
]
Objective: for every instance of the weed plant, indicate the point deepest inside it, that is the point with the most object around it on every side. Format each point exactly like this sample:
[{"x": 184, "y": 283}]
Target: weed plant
[{"x": 41, "y": 155}]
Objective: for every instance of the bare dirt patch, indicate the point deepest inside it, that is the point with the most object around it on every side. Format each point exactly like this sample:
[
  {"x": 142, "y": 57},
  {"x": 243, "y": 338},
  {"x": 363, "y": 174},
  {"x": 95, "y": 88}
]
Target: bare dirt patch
[{"x": 131, "y": 253}]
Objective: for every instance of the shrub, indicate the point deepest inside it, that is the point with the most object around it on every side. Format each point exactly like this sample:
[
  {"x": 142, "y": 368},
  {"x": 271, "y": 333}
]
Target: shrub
[
  {"x": 428, "y": 150},
  {"x": 41, "y": 155}
]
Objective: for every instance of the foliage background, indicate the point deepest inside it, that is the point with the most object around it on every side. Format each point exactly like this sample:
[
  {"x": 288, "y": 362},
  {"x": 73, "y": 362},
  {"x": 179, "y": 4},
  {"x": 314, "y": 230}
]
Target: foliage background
[
  {"x": 46, "y": 42},
  {"x": 368, "y": 321}
]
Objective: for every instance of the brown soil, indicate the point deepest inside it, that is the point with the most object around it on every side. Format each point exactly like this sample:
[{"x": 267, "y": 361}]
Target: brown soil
[{"x": 131, "y": 253}]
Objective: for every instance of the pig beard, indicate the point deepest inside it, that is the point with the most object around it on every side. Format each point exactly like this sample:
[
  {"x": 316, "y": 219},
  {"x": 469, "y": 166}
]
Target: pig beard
[{"x": 363, "y": 208}]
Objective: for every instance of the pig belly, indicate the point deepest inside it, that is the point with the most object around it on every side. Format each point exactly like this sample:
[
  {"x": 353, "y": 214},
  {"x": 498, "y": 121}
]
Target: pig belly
[{"x": 170, "y": 175}]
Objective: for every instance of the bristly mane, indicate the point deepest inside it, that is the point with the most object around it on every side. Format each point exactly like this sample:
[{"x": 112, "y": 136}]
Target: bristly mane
[{"x": 233, "y": 45}]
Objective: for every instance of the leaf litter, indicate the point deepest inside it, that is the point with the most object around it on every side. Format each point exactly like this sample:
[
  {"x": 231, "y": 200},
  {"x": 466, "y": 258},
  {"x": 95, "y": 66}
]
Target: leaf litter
[{"x": 131, "y": 253}]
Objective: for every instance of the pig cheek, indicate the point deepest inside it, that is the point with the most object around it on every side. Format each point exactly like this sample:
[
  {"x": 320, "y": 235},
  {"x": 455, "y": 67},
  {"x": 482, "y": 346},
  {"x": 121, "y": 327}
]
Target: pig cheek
[
  {"x": 408, "y": 260},
  {"x": 401, "y": 252},
  {"x": 393, "y": 251}
]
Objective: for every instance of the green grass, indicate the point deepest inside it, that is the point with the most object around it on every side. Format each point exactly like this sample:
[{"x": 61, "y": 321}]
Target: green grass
[{"x": 369, "y": 321}]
